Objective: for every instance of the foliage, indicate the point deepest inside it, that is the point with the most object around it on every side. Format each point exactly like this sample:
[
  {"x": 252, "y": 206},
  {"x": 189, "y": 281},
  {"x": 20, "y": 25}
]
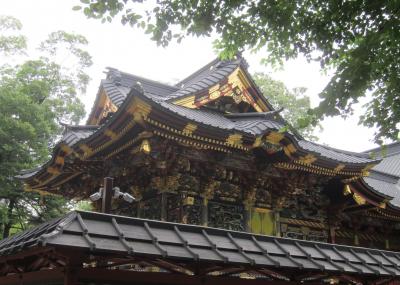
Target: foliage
[
  {"x": 294, "y": 102},
  {"x": 35, "y": 96},
  {"x": 360, "y": 39}
]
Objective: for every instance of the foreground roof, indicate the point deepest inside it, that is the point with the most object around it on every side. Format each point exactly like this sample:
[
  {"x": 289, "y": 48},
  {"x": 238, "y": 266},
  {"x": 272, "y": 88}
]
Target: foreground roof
[{"x": 101, "y": 233}]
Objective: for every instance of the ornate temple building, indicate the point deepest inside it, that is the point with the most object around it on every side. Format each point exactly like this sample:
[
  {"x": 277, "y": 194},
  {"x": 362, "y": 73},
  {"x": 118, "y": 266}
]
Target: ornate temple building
[{"x": 212, "y": 151}]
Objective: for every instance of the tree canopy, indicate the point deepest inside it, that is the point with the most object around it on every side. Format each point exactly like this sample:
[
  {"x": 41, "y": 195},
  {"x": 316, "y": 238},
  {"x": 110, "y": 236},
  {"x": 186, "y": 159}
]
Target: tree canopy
[
  {"x": 358, "y": 39},
  {"x": 295, "y": 104},
  {"x": 36, "y": 95}
]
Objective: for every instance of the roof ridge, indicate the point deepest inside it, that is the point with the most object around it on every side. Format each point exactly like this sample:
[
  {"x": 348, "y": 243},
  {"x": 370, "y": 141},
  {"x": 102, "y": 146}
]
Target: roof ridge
[
  {"x": 80, "y": 126},
  {"x": 387, "y": 146},
  {"x": 197, "y": 72},
  {"x": 112, "y": 69},
  {"x": 358, "y": 154}
]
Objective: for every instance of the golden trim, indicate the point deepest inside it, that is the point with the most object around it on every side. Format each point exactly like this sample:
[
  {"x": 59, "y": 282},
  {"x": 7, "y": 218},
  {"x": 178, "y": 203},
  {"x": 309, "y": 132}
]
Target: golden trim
[
  {"x": 53, "y": 170},
  {"x": 257, "y": 142},
  {"x": 109, "y": 133},
  {"x": 186, "y": 102},
  {"x": 235, "y": 139},
  {"x": 145, "y": 147},
  {"x": 190, "y": 128},
  {"x": 315, "y": 169},
  {"x": 274, "y": 137},
  {"x": 307, "y": 159},
  {"x": 303, "y": 223},
  {"x": 289, "y": 149},
  {"x": 59, "y": 160},
  {"x": 339, "y": 167},
  {"x": 67, "y": 149},
  {"x": 359, "y": 199},
  {"x": 86, "y": 149},
  {"x": 347, "y": 190},
  {"x": 191, "y": 143},
  {"x": 139, "y": 109},
  {"x": 195, "y": 137}
]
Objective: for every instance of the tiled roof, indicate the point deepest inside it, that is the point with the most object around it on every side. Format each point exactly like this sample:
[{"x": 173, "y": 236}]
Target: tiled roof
[
  {"x": 118, "y": 84},
  {"x": 335, "y": 154},
  {"x": 384, "y": 178},
  {"x": 100, "y": 233},
  {"x": 253, "y": 126},
  {"x": 208, "y": 76},
  {"x": 73, "y": 134}
]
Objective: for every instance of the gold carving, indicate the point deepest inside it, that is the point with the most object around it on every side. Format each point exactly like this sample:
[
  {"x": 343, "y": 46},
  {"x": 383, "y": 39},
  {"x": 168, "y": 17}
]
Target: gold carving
[
  {"x": 189, "y": 129},
  {"x": 139, "y": 109},
  {"x": 109, "y": 133},
  {"x": 86, "y": 149},
  {"x": 188, "y": 201},
  {"x": 339, "y": 167},
  {"x": 289, "y": 149},
  {"x": 359, "y": 199},
  {"x": 165, "y": 184},
  {"x": 53, "y": 170},
  {"x": 308, "y": 159},
  {"x": 145, "y": 147},
  {"x": 347, "y": 190},
  {"x": 234, "y": 139},
  {"x": 186, "y": 102},
  {"x": 209, "y": 189},
  {"x": 257, "y": 142},
  {"x": 60, "y": 160},
  {"x": 65, "y": 148},
  {"x": 275, "y": 137}
]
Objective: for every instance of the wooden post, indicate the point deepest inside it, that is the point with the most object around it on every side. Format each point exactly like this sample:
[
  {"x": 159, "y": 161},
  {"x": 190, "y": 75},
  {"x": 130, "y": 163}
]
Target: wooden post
[
  {"x": 247, "y": 218},
  {"x": 204, "y": 212},
  {"x": 70, "y": 277},
  {"x": 164, "y": 205},
  {"x": 277, "y": 218},
  {"x": 107, "y": 195}
]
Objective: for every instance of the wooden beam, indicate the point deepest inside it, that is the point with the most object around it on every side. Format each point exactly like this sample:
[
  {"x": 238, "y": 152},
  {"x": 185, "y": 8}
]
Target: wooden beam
[
  {"x": 26, "y": 253},
  {"x": 40, "y": 277},
  {"x": 125, "y": 276}
]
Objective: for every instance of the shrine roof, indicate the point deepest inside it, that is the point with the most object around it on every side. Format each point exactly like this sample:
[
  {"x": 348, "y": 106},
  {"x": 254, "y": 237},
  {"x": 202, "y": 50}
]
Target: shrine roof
[
  {"x": 119, "y": 83},
  {"x": 211, "y": 74},
  {"x": 334, "y": 153},
  {"x": 73, "y": 134},
  {"x": 384, "y": 177},
  {"x": 256, "y": 125},
  {"x": 252, "y": 125},
  {"x": 109, "y": 234}
]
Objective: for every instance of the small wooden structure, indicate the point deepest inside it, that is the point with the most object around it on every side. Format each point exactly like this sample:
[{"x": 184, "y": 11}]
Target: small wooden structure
[{"x": 95, "y": 248}]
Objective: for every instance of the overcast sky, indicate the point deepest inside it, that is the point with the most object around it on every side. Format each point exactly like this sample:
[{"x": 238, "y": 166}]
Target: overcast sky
[{"x": 130, "y": 50}]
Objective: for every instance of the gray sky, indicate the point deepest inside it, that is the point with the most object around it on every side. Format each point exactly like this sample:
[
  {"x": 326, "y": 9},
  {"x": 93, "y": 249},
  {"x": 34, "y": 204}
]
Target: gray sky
[{"x": 130, "y": 50}]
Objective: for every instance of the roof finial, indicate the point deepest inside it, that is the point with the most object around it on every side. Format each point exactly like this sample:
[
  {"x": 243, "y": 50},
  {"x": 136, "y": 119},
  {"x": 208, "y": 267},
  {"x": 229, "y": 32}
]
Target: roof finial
[{"x": 138, "y": 86}]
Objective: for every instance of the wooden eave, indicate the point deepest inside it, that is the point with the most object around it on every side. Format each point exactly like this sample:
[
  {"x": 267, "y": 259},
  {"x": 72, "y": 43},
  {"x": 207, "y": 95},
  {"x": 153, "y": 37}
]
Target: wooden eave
[{"x": 143, "y": 112}]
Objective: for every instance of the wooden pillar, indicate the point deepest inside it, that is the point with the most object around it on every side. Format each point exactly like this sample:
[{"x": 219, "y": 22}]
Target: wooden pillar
[
  {"x": 163, "y": 209},
  {"x": 140, "y": 209},
  {"x": 277, "y": 217},
  {"x": 204, "y": 212},
  {"x": 70, "y": 277},
  {"x": 107, "y": 195},
  {"x": 247, "y": 217},
  {"x": 332, "y": 234}
]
